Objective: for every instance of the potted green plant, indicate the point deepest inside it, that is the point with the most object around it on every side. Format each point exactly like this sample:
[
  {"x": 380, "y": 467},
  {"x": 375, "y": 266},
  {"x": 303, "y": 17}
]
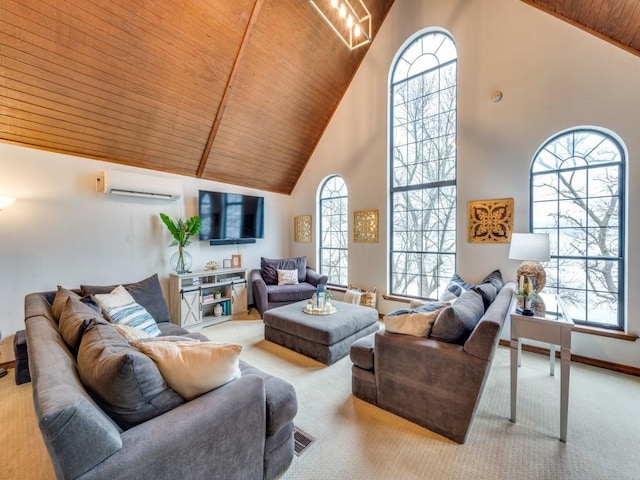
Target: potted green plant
[
  {"x": 217, "y": 294},
  {"x": 181, "y": 230}
]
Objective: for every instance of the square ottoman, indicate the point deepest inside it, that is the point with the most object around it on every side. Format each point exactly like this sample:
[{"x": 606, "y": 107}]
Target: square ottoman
[{"x": 326, "y": 338}]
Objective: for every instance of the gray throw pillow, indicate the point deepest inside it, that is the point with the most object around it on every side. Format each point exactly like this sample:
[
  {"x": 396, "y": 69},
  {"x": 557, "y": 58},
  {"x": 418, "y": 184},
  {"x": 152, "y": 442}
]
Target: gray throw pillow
[
  {"x": 269, "y": 268},
  {"x": 488, "y": 293},
  {"x": 76, "y": 316},
  {"x": 495, "y": 279},
  {"x": 123, "y": 381},
  {"x": 455, "y": 323},
  {"x": 60, "y": 301},
  {"x": 147, "y": 293}
]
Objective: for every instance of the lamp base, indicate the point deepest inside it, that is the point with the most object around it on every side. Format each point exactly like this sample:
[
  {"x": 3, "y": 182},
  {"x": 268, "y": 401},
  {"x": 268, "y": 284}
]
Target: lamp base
[
  {"x": 534, "y": 270},
  {"x": 528, "y": 313}
]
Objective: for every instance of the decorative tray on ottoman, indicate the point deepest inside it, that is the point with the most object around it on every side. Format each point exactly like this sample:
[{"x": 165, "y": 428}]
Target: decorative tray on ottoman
[{"x": 316, "y": 311}]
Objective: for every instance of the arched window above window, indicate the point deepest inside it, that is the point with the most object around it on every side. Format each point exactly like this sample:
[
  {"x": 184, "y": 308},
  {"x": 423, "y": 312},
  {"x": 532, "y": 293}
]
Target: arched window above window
[
  {"x": 422, "y": 165},
  {"x": 333, "y": 228},
  {"x": 577, "y": 197}
]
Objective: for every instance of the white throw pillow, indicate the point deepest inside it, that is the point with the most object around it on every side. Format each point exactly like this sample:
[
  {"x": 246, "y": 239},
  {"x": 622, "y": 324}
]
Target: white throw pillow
[
  {"x": 287, "y": 277},
  {"x": 352, "y": 296},
  {"x": 413, "y": 322},
  {"x": 194, "y": 368},
  {"x": 116, "y": 298}
]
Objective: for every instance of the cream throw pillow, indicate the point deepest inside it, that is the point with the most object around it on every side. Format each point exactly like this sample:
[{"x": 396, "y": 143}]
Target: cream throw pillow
[
  {"x": 130, "y": 333},
  {"x": 287, "y": 277},
  {"x": 416, "y": 323},
  {"x": 194, "y": 368}
]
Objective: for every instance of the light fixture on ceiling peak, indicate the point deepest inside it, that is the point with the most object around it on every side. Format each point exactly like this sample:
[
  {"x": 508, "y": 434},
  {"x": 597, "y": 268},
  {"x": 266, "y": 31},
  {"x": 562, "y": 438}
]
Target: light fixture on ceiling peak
[
  {"x": 6, "y": 202},
  {"x": 349, "y": 19}
]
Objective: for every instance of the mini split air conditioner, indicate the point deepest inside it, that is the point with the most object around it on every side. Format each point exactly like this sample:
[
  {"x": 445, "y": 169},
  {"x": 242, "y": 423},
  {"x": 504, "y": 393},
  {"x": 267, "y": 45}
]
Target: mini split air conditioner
[{"x": 115, "y": 182}]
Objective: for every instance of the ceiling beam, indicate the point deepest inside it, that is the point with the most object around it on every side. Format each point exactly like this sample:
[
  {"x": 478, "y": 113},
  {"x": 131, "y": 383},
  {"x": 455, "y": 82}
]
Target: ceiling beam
[{"x": 230, "y": 83}]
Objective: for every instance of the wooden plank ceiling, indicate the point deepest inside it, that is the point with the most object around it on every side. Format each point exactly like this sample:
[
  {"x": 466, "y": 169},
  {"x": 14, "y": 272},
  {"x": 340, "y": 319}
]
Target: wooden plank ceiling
[
  {"x": 617, "y": 21},
  {"x": 237, "y": 91}
]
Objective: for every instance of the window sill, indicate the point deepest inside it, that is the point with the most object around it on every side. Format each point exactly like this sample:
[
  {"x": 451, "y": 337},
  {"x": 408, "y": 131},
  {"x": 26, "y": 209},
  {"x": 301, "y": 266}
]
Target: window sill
[{"x": 603, "y": 332}]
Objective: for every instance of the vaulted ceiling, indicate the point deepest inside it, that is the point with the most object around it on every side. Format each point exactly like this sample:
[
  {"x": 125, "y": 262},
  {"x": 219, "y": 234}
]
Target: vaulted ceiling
[
  {"x": 237, "y": 91},
  {"x": 617, "y": 21}
]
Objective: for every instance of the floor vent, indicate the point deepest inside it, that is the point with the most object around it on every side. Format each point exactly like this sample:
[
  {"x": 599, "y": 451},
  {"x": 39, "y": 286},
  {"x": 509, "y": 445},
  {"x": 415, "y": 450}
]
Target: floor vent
[{"x": 302, "y": 440}]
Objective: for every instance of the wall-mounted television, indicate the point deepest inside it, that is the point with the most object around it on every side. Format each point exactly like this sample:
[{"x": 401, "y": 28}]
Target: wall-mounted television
[{"x": 228, "y": 218}]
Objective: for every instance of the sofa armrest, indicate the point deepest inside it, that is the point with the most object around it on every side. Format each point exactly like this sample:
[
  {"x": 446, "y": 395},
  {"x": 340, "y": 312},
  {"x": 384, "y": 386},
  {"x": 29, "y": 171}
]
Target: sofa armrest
[
  {"x": 220, "y": 434},
  {"x": 315, "y": 278},
  {"x": 259, "y": 290},
  {"x": 482, "y": 341}
]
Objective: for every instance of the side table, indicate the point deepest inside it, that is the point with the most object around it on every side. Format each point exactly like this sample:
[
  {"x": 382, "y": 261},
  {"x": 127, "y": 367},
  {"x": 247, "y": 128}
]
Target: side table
[{"x": 550, "y": 325}]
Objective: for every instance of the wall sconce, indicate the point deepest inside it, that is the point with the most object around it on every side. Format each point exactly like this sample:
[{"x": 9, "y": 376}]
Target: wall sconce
[
  {"x": 6, "y": 202},
  {"x": 349, "y": 19}
]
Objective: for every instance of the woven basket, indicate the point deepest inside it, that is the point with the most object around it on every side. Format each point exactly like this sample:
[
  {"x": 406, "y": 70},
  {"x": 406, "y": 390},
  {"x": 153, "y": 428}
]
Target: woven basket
[{"x": 368, "y": 297}]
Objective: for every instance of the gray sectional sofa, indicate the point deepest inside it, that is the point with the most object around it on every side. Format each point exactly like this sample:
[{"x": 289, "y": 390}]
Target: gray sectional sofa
[
  {"x": 436, "y": 379},
  {"x": 243, "y": 429}
]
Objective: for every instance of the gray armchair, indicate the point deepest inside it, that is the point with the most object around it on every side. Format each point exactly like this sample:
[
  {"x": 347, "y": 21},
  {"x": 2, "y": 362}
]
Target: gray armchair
[{"x": 268, "y": 294}]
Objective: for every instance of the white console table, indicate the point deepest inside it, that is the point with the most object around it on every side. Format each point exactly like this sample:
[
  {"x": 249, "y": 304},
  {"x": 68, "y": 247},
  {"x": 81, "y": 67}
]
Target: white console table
[
  {"x": 552, "y": 325},
  {"x": 192, "y": 299}
]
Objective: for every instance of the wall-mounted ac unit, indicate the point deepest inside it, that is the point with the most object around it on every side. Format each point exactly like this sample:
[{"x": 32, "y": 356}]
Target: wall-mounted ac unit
[{"x": 116, "y": 182}]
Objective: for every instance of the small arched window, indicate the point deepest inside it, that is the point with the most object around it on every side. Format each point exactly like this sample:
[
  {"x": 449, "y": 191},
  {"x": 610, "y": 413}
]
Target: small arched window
[
  {"x": 334, "y": 230},
  {"x": 577, "y": 197}
]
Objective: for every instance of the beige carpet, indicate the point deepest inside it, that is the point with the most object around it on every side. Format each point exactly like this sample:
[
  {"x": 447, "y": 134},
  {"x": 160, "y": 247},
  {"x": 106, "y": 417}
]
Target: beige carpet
[{"x": 355, "y": 440}]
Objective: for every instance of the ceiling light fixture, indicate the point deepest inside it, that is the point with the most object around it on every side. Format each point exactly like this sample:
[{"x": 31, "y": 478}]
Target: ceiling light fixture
[
  {"x": 6, "y": 202},
  {"x": 349, "y": 19}
]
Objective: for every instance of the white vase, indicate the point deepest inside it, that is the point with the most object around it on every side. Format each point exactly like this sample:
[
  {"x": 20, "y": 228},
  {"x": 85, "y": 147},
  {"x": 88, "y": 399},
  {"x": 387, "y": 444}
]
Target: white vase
[{"x": 217, "y": 310}]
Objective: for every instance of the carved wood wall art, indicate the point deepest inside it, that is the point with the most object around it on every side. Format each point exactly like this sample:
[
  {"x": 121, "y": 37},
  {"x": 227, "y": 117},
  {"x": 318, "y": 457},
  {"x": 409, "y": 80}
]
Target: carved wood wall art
[{"x": 491, "y": 221}]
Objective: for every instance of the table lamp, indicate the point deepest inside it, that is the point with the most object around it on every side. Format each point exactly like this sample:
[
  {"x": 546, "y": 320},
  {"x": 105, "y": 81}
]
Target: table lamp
[{"x": 531, "y": 248}]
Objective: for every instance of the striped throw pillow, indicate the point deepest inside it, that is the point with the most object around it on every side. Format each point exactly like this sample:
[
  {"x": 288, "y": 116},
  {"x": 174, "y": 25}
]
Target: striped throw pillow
[{"x": 133, "y": 315}]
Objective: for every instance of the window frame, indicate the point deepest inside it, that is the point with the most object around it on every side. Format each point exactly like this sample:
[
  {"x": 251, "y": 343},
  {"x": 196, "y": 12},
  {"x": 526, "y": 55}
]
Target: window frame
[
  {"x": 322, "y": 249},
  {"x": 621, "y": 259},
  {"x": 441, "y": 278}
]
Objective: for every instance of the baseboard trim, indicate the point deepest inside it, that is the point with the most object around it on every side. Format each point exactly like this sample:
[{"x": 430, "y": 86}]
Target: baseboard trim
[{"x": 594, "y": 362}]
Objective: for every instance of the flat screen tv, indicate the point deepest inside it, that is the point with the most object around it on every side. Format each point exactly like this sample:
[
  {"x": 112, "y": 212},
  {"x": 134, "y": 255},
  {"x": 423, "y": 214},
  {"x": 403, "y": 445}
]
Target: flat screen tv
[{"x": 230, "y": 217}]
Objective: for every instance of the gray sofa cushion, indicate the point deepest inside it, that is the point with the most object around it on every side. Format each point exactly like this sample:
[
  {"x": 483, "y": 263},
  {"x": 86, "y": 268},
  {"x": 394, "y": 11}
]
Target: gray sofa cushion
[
  {"x": 291, "y": 293},
  {"x": 269, "y": 268},
  {"x": 362, "y": 352},
  {"x": 147, "y": 293},
  {"x": 455, "y": 323},
  {"x": 123, "y": 381},
  {"x": 76, "y": 316}
]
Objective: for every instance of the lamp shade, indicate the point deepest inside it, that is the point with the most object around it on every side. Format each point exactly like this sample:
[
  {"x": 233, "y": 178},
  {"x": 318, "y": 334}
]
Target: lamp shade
[{"x": 530, "y": 246}]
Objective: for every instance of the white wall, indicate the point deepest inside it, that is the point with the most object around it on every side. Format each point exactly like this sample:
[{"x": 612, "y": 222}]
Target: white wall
[
  {"x": 61, "y": 232},
  {"x": 553, "y": 76}
]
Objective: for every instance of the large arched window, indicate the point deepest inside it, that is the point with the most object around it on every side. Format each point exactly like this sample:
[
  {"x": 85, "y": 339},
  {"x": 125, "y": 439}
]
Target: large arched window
[
  {"x": 334, "y": 230},
  {"x": 577, "y": 196},
  {"x": 422, "y": 159}
]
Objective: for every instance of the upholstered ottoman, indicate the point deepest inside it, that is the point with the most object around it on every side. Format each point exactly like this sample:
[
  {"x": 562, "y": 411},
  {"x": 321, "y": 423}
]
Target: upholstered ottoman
[{"x": 326, "y": 338}]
